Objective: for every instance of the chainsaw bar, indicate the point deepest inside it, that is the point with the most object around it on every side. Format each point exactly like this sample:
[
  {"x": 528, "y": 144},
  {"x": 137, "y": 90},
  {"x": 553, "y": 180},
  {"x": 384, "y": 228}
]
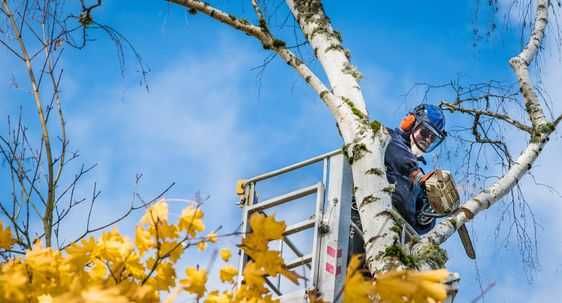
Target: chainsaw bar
[{"x": 466, "y": 242}]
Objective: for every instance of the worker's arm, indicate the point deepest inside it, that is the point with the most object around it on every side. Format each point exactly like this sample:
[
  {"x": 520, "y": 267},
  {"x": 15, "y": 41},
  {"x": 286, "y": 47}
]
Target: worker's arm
[{"x": 417, "y": 176}]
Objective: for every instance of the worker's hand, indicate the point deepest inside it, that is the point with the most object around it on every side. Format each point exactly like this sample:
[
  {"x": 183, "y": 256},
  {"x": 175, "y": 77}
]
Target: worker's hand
[{"x": 425, "y": 177}]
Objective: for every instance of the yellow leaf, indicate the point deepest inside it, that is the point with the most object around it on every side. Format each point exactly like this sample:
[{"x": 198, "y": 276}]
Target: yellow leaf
[
  {"x": 158, "y": 212},
  {"x": 13, "y": 278},
  {"x": 114, "y": 246},
  {"x": 172, "y": 249},
  {"x": 253, "y": 275},
  {"x": 415, "y": 286},
  {"x": 164, "y": 278},
  {"x": 6, "y": 240},
  {"x": 439, "y": 275},
  {"x": 191, "y": 221},
  {"x": 98, "y": 270},
  {"x": 45, "y": 299},
  {"x": 202, "y": 245},
  {"x": 434, "y": 290},
  {"x": 227, "y": 273},
  {"x": 143, "y": 240},
  {"x": 165, "y": 230},
  {"x": 217, "y": 297},
  {"x": 212, "y": 237},
  {"x": 267, "y": 227},
  {"x": 98, "y": 295},
  {"x": 134, "y": 266},
  {"x": 81, "y": 253},
  {"x": 225, "y": 254},
  {"x": 195, "y": 281},
  {"x": 357, "y": 288}
]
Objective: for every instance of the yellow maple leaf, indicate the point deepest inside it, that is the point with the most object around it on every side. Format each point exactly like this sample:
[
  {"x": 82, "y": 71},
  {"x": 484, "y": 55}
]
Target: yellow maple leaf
[
  {"x": 191, "y": 221},
  {"x": 98, "y": 270},
  {"x": 195, "y": 281},
  {"x": 416, "y": 286},
  {"x": 98, "y": 295},
  {"x": 202, "y": 245},
  {"x": 164, "y": 278},
  {"x": 44, "y": 299},
  {"x": 6, "y": 239},
  {"x": 212, "y": 237},
  {"x": 218, "y": 297},
  {"x": 13, "y": 278},
  {"x": 227, "y": 273},
  {"x": 253, "y": 275},
  {"x": 143, "y": 239},
  {"x": 171, "y": 249},
  {"x": 267, "y": 227},
  {"x": 272, "y": 263},
  {"x": 225, "y": 254},
  {"x": 157, "y": 212},
  {"x": 357, "y": 288},
  {"x": 134, "y": 266},
  {"x": 81, "y": 253}
]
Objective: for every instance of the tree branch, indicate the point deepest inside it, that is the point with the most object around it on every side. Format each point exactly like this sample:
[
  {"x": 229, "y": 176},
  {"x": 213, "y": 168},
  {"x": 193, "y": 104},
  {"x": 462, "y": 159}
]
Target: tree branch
[
  {"x": 334, "y": 58},
  {"x": 557, "y": 120},
  {"x": 452, "y": 107},
  {"x": 541, "y": 130},
  {"x": 269, "y": 42},
  {"x": 521, "y": 62}
]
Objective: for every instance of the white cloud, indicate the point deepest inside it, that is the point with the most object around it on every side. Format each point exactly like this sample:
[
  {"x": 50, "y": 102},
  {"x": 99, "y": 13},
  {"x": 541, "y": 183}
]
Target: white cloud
[{"x": 187, "y": 129}]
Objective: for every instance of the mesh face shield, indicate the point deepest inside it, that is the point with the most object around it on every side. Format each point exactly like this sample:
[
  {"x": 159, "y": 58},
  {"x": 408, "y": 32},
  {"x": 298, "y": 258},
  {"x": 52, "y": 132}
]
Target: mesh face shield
[{"x": 426, "y": 137}]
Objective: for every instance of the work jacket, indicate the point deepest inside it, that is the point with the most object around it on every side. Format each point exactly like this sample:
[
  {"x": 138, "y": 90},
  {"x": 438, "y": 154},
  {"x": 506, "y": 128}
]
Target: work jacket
[{"x": 408, "y": 196}]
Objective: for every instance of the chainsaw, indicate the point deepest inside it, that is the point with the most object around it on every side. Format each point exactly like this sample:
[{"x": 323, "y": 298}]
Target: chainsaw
[{"x": 443, "y": 199}]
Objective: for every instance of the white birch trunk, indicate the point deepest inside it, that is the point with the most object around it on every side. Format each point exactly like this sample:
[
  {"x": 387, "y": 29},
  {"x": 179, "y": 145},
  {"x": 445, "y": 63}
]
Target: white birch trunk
[{"x": 365, "y": 142}]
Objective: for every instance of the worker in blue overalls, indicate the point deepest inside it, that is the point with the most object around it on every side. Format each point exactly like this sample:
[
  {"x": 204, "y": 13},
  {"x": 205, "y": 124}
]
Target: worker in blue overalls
[{"x": 420, "y": 132}]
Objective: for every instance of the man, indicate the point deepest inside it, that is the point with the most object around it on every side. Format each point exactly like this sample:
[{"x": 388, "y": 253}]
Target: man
[{"x": 420, "y": 132}]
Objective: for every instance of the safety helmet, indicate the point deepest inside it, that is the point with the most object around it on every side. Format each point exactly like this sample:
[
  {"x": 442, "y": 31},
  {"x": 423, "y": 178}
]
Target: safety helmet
[{"x": 426, "y": 124}]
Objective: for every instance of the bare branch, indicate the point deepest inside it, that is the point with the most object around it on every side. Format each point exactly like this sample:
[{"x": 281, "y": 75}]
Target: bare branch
[
  {"x": 48, "y": 214},
  {"x": 132, "y": 208},
  {"x": 453, "y": 107},
  {"x": 12, "y": 50}
]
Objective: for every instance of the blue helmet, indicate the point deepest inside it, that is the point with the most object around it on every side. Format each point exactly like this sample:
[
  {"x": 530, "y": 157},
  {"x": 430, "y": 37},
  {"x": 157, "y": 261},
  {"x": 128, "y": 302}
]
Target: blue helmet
[{"x": 429, "y": 128}]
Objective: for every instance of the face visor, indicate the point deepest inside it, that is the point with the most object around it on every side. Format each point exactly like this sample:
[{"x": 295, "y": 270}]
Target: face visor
[{"x": 426, "y": 137}]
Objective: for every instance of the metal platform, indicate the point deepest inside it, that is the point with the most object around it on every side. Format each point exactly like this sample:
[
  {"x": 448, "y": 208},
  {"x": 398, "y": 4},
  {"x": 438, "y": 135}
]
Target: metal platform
[{"x": 324, "y": 263}]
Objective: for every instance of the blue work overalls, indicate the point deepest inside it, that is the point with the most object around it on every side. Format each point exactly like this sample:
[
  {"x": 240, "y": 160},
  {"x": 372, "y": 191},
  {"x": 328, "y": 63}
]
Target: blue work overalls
[{"x": 408, "y": 196}]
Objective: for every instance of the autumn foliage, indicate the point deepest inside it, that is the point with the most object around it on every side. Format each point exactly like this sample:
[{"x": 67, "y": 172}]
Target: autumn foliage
[{"x": 114, "y": 268}]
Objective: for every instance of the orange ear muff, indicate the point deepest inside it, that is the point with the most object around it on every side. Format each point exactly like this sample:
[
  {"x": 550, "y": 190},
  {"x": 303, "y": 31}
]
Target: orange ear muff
[{"x": 408, "y": 122}]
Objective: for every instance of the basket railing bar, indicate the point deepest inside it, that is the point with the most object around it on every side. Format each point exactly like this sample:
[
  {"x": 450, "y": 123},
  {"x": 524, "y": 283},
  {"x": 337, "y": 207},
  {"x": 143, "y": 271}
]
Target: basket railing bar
[
  {"x": 294, "y": 248},
  {"x": 272, "y": 286},
  {"x": 300, "y": 226},
  {"x": 299, "y": 261},
  {"x": 293, "y": 167},
  {"x": 294, "y": 195}
]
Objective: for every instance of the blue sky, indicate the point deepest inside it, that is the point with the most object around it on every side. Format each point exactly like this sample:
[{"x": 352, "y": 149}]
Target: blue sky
[{"x": 207, "y": 121}]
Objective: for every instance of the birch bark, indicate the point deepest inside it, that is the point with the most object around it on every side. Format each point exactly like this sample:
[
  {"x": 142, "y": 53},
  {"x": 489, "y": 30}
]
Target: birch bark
[{"x": 365, "y": 141}]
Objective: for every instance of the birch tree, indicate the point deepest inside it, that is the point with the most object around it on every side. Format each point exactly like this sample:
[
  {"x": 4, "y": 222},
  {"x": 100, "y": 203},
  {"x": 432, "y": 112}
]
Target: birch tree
[{"x": 365, "y": 139}]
